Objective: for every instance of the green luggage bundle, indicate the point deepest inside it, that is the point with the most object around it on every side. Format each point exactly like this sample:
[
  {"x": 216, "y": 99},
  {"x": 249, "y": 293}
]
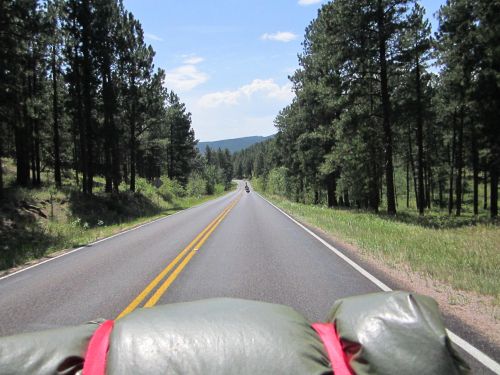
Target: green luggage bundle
[{"x": 381, "y": 333}]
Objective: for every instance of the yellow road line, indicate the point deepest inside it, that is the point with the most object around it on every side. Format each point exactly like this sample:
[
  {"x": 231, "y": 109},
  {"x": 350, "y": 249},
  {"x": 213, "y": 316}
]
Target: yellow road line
[
  {"x": 137, "y": 301},
  {"x": 163, "y": 288}
]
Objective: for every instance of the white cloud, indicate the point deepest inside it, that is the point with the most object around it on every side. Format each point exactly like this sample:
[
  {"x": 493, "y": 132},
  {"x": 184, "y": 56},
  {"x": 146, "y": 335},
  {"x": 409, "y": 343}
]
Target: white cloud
[
  {"x": 153, "y": 37},
  {"x": 185, "y": 78},
  {"x": 309, "y": 2},
  {"x": 267, "y": 87},
  {"x": 280, "y": 36},
  {"x": 193, "y": 60}
]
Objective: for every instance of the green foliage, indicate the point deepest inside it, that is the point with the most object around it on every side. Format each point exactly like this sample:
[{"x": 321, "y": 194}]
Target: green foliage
[
  {"x": 277, "y": 181},
  {"x": 181, "y": 141},
  {"x": 219, "y": 189},
  {"x": 371, "y": 126},
  {"x": 196, "y": 186},
  {"x": 259, "y": 184},
  {"x": 171, "y": 189},
  {"x": 83, "y": 77}
]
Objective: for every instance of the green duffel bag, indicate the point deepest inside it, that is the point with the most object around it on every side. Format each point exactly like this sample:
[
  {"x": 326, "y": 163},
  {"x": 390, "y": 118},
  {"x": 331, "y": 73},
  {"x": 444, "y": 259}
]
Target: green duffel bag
[
  {"x": 382, "y": 333},
  {"x": 215, "y": 336},
  {"x": 394, "y": 333}
]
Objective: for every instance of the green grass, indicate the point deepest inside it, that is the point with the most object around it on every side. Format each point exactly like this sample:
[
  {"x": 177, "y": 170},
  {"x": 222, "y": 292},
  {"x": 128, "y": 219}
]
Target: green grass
[
  {"x": 37, "y": 222},
  {"x": 464, "y": 253}
]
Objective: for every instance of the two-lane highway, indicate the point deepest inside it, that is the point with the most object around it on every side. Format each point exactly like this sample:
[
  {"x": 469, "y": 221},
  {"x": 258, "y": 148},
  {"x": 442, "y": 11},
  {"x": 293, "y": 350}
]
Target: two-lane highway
[
  {"x": 101, "y": 279},
  {"x": 235, "y": 246}
]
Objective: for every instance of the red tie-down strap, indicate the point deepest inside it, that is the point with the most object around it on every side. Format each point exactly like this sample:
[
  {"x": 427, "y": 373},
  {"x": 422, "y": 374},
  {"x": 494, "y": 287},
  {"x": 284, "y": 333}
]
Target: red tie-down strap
[
  {"x": 331, "y": 341},
  {"x": 95, "y": 358}
]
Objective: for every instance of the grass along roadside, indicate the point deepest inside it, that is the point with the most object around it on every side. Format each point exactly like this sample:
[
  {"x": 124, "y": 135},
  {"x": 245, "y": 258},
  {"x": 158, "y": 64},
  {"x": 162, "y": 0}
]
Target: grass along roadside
[
  {"x": 35, "y": 223},
  {"x": 467, "y": 257}
]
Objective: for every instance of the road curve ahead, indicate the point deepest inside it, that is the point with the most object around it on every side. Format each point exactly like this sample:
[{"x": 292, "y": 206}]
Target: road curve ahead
[{"x": 234, "y": 246}]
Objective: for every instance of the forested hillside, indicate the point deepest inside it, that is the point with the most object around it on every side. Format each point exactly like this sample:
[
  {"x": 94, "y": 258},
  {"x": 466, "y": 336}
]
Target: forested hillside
[
  {"x": 386, "y": 114},
  {"x": 233, "y": 145}
]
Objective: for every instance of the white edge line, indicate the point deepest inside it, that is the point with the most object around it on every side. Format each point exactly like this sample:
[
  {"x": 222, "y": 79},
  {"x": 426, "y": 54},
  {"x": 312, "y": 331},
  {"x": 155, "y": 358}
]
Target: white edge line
[
  {"x": 473, "y": 351},
  {"x": 110, "y": 237}
]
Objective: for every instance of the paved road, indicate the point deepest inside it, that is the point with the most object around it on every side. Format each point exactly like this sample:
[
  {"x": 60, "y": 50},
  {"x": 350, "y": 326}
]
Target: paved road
[{"x": 252, "y": 251}]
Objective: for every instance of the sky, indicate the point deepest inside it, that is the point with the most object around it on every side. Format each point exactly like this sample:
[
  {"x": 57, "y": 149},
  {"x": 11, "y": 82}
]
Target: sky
[{"x": 229, "y": 60}]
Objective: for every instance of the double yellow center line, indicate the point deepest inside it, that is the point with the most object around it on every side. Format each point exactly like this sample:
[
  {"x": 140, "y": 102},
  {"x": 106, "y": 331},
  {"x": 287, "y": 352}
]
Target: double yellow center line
[{"x": 190, "y": 250}]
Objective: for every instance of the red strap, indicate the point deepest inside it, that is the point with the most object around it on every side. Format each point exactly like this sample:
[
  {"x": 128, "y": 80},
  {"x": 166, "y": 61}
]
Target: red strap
[
  {"x": 331, "y": 341},
  {"x": 95, "y": 358}
]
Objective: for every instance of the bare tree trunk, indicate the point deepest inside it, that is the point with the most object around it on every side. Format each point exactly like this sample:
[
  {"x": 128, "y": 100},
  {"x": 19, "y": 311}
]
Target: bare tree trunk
[
  {"x": 55, "y": 123},
  {"x": 441, "y": 188},
  {"x": 347, "y": 203},
  {"x": 420, "y": 142},
  {"x": 38, "y": 180},
  {"x": 412, "y": 164},
  {"x": 407, "y": 183},
  {"x": 32, "y": 153},
  {"x": 485, "y": 194},
  {"x": 494, "y": 192},
  {"x": 1, "y": 165},
  {"x": 133, "y": 139},
  {"x": 386, "y": 109},
  {"x": 452, "y": 164},
  {"x": 331, "y": 184},
  {"x": 428, "y": 185},
  {"x": 23, "y": 147},
  {"x": 87, "y": 95},
  {"x": 475, "y": 171},
  {"x": 459, "y": 160}
]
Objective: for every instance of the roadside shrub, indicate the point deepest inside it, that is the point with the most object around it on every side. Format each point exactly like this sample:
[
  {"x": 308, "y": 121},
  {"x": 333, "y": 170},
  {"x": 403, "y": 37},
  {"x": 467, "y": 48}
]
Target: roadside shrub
[
  {"x": 211, "y": 178},
  {"x": 277, "y": 181},
  {"x": 259, "y": 184},
  {"x": 170, "y": 189},
  {"x": 219, "y": 188},
  {"x": 142, "y": 186},
  {"x": 196, "y": 186}
]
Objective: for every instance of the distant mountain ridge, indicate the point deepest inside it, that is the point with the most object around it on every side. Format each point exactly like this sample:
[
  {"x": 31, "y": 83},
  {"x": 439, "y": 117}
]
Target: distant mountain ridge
[{"x": 234, "y": 144}]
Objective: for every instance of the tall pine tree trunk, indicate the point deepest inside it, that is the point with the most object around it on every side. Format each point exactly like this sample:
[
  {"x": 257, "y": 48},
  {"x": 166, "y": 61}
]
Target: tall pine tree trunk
[
  {"x": 133, "y": 140},
  {"x": 485, "y": 191},
  {"x": 55, "y": 123},
  {"x": 1, "y": 164},
  {"x": 115, "y": 152},
  {"x": 494, "y": 191},
  {"x": 36, "y": 130},
  {"x": 347, "y": 202},
  {"x": 420, "y": 142},
  {"x": 33, "y": 152},
  {"x": 386, "y": 110},
  {"x": 407, "y": 183},
  {"x": 373, "y": 184},
  {"x": 459, "y": 161},
  {"x": 428, "y": 185},
  {"x": 83, "y": 135},
  {"x": 108, "y": 134},
  {"x": 38, "y": 179},
  {"x": 452, "y": 163},
  {"x": 475, "y": 170},
  {"x": 440, "y": 192},
  {"x": 331, "y": 184},
  {"x": 87, "y": 94},
  {"x": 133, "y": 156},
  {"x": 412, "y": 163},
  {"x": 22, "y": 146}
]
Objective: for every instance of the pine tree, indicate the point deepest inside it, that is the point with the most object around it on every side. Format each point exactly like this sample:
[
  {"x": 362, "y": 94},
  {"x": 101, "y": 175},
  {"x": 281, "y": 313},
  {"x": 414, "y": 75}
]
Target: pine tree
[
  {"x": 415, "y": 46},
  {"x": 181, "y": 142}
]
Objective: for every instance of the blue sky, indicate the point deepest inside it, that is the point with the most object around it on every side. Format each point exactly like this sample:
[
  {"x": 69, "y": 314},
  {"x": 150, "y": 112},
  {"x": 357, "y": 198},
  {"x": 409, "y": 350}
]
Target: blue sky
[{"x": 229, "y": 60}]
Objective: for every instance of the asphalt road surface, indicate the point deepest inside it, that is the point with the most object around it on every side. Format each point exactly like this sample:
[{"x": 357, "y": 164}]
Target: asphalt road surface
[{"x": 238, "y": 245}]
